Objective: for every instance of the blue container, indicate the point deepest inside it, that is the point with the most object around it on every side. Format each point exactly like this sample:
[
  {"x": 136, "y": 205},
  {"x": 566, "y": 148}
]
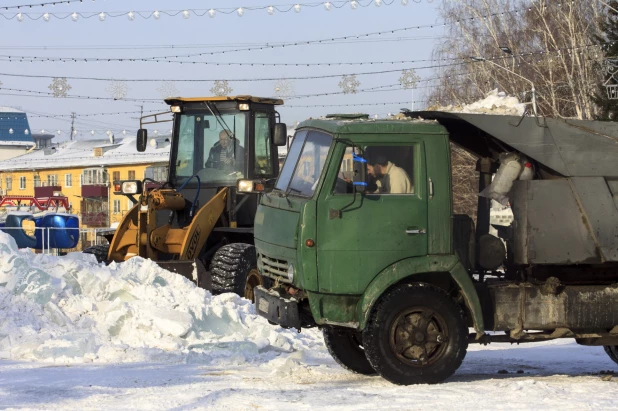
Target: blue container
[
  {"x": 63, "y": 231},
  {"x": 14, "y": 222}
]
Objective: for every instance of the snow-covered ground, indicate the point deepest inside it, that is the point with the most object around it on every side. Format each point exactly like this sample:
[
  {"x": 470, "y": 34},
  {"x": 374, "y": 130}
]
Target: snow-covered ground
[{"x": 78, "y": 335}]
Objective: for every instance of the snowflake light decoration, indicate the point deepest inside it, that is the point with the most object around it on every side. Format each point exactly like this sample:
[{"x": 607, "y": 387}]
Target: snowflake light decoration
[
  {"x": 168, "y": 89},
  {"x": 408, "y": 79},
  {"x": 610, "y": 69},
  {"x": 284, "y": 88},
  {"x": 349, "y": 84},
  {"x": 118, "y": 89},
  {"x": 59, "y": 87},
  {"x": 221, "y": 88}
]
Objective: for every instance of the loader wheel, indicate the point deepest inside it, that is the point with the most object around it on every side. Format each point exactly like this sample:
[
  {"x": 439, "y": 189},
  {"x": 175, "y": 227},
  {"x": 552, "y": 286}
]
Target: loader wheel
[
  {"x": 233, "y": 270},
  {"x": 345, "y": 346},
  {"x": 612, "y": 351},
  {"x": 99, "y": 251},
  {"x": 416, "y": 335}
]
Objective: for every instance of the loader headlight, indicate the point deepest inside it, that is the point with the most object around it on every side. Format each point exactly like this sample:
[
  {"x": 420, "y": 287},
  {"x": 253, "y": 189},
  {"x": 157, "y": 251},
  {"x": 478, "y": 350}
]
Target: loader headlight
[
  {"x": 131, "y": 187},
  {"x": 291, "y": 273},
  {"x": 250, "y": 186},
  {"x": 176, "y": 109}
]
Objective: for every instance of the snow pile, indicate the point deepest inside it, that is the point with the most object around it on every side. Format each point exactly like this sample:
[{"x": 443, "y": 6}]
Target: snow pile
[
  {"x": 71, "y": 309},
  {"x": 495, "y": 102}
]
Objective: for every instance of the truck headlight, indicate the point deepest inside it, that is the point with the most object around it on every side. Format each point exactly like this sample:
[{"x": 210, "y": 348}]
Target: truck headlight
[{"x": 291, "y": 273}]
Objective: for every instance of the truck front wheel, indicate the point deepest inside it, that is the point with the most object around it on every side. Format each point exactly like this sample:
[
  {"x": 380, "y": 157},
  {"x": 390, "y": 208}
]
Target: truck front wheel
[
  {"x": 345, "y": 346},
  {"x": 416, "y": 335},
  {"x": 233, "y": 270}
]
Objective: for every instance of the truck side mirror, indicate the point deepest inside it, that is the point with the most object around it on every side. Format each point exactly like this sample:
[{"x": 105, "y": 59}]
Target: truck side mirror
[
  {"x": 360, "y": 174},
  {"x": 142, "y": 138},
  {"x": 280, "y": 136}
]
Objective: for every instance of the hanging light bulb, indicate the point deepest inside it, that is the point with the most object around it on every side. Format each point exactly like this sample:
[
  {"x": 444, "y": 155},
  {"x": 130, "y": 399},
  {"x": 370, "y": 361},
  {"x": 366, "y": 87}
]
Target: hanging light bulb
[
  {"x": 131, "y": 16},
  {"x": 271, "y": 10},
  {"x": 186, "y": 14},
  {"x": 124, "y": 132},
  {"x": 46, "y": 16},
  {"x": 43, "y": 131},
  {"x": 10, "y": 131},
  {"x": 58, "y": 132},
  {"x": 378, "y": 3},
  {"x": 297, "y": 8},
  {"x": 404, "y": 2},
  {"x": 74, "y": 16},
  {"x": 327, "y": 6},
  {"x": 102, "y": 16},
  {"x": 156, "y": 15},
  {"x": 20, "y": 17},
  {"x": 211, "y": 13},
  {"x": 156, "y": 132},
  {"x": 92, "y": 132},
  {"x": 354, "y": 4},
  {"x": 74, "y": 132},
  {"x": 26, "y": 132},
  {"x": 240, "y": 12}
]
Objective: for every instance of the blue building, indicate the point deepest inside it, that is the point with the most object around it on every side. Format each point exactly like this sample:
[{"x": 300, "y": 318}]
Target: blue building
[{"x": 14, "y": 126}]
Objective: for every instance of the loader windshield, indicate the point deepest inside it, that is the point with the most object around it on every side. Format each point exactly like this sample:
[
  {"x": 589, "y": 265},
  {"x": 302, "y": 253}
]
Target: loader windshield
[{"x": 211, "y": 147}]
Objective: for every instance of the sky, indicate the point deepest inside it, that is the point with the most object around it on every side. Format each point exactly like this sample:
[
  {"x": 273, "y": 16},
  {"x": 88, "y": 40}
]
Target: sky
[{"x": 122, "y": 38}]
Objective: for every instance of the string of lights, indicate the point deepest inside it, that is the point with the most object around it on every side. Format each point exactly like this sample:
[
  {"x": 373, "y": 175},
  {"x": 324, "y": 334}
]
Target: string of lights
[
  {"x": 389, "y": 103},
  {"x": 212, "y": 12},
  {"x": 45, "y": 94},
  {"x": 49, "y": 3},
  {"x": 93, "y": 114}
]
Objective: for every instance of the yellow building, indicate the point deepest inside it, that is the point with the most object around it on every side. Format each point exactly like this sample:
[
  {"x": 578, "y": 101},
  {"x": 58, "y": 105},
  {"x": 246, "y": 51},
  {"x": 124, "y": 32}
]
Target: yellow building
[{"x": 84, "y": 171}]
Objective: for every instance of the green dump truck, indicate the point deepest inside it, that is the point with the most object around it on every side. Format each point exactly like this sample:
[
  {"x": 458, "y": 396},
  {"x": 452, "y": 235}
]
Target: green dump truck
[{"x": 360, "y": 239}]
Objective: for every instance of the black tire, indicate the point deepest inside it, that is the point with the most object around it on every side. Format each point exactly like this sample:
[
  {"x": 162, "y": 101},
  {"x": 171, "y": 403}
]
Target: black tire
[
  {"x": 416, "y": 334},
  {"x": 345, "y": 346},
  {"x": 99, "y": 251},
  {"x": 612, "y": 351},
  {"x": 234, "y": 270}
]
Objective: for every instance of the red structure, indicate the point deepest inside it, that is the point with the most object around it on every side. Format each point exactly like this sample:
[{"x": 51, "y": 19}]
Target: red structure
[{"x": 42, "y": 203}]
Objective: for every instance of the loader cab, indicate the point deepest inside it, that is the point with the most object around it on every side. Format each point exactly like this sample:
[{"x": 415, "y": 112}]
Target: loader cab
[{"x": 218, "y": 141}]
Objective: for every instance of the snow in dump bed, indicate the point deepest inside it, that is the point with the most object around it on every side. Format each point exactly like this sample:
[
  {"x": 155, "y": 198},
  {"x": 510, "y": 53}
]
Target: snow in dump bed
[
  {"x": 71, "y": 309},
  {"x": 495, "y": 102}
]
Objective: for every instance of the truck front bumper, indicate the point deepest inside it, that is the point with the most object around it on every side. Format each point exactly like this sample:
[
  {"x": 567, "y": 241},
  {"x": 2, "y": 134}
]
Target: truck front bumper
[{"x": 276, "y": 309}]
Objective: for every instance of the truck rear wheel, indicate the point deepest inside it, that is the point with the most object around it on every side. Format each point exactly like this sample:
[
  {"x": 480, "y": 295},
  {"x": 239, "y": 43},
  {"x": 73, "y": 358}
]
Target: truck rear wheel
[
  {"x": 234, "y": 270},
  {"x": 345, "y": 346},
  {"x": 416, "y": 335},
  {"x": 612, "y": 351},
  {"x": 99, "y": 251}
]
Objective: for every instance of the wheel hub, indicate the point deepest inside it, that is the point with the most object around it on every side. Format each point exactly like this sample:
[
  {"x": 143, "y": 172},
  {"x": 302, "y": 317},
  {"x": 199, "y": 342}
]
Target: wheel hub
[
  {"x": 253, "y": 280},
  {"x": 419, "y": 336}
]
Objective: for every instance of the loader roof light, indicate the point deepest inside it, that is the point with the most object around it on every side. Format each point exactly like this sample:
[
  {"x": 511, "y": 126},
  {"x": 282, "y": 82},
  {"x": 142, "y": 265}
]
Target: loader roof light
[
  {"x": 243, "y": 107},
  {"x": 250, "y": 186},
  {"x": 176, "y": 109}
]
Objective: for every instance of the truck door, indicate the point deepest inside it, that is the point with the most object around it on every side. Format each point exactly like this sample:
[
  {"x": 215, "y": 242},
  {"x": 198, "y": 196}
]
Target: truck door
[{"x": 359, "y": 235}]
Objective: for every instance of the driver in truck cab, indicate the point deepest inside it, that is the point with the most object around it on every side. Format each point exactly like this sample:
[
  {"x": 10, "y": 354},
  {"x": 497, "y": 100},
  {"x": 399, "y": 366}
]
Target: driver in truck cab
[
  {"x": 227, "y": 153},
  {"x": 390, "y": 179}
]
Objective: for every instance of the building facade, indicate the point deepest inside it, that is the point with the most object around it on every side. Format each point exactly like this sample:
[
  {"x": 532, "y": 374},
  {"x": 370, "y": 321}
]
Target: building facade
[{"x": 84, "y": 171}]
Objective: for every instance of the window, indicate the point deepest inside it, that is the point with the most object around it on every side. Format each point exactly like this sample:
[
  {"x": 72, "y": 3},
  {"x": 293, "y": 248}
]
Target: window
[
  {"x": 52, "y": 180},
  {"x": 390, "y": 170},
  {"x": 131, "y": 174},
  {"x": 116, "y": 176},
  {"x": 9, "y": 183},
  {"x": 116, "y": 206},
  {"x": 22, "y": 183},
  {"x": 94, "y": 176},
  {"x": 263, "y": 162},
  {"x": 37, "y": 181},
  {"x": 68, "y": 180},
  {"x": 304, "y": 164}
]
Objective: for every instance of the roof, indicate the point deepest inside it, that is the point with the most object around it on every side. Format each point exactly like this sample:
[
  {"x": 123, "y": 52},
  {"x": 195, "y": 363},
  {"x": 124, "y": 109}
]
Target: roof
[
  {"x": 393, "y": 125},
  {"x": 9, "y": 110},
  {"x": 17, "y": 143},
  {"x": 80, "y": 154},
  {"x": 265, "y": 100},
  {"x": 14, "y": 125}
]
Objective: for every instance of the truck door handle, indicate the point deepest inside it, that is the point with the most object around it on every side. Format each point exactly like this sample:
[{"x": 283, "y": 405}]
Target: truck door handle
[{"x": 416, "y": 231}]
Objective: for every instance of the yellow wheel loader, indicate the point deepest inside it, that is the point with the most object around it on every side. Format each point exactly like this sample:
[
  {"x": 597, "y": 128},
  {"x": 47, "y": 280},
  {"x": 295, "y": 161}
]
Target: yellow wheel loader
[{"x": 199, "y": 223}]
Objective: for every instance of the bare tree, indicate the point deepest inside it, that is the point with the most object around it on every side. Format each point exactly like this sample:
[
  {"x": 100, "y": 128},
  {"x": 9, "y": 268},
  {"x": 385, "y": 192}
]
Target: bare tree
[{"x": 549, "y": 43}]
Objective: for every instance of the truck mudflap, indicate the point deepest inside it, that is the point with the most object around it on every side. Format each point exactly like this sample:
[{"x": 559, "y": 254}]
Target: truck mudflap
[{"x": 277, "y": 309}]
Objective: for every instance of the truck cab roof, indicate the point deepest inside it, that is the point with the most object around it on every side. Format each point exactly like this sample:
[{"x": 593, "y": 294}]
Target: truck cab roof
[{"x": 362, "y": 124}]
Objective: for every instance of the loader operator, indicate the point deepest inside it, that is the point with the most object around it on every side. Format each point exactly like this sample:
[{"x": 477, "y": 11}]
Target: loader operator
[
  {"x": 390, "y": 179},
  {"x": 227, "y": 153}
]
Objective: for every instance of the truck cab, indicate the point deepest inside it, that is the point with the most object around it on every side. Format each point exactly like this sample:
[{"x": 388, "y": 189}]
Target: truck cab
[{"x": 360, "y": 239}]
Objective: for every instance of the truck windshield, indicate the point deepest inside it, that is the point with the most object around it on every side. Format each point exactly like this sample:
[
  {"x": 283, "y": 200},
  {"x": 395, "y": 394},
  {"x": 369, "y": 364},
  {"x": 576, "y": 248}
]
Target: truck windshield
[
  {"x": 304, "y": 163},
  {"x": 211, "y": 147}
]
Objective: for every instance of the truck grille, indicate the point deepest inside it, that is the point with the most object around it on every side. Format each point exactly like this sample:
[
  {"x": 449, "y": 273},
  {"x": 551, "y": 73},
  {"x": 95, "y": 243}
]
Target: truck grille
[{"x": 273, "y": 268}]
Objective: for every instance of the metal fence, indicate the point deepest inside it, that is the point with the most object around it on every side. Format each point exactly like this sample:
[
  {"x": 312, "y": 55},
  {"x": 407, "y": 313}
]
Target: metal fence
[{"x": 87, "y": 237}]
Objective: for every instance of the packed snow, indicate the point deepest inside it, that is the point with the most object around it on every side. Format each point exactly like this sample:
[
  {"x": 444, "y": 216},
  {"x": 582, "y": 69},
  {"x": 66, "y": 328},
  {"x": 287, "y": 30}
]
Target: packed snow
[
  {"x": 495, "y": 102},
  {"x": 72, "y": 309},
  {"x": 75, "y": 334}
]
